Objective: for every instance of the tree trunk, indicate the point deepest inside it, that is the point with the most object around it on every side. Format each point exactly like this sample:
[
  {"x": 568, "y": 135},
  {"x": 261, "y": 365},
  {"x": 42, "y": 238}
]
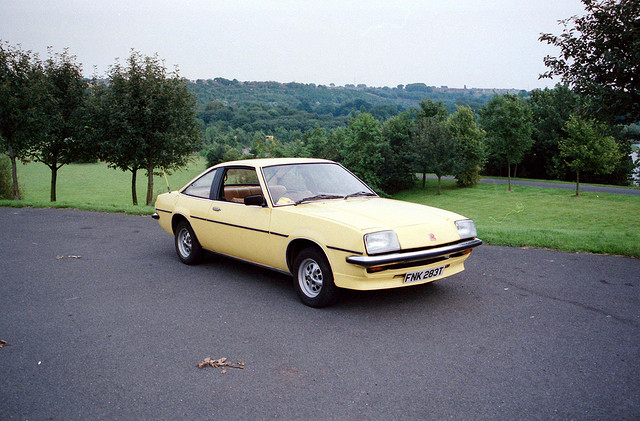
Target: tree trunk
[
  {"x": 439, "y": 178},
  {"x": 424, "y": 178},
  {"x": 54, "y": 178},
  {"x": 509, "y": 175},
  {"x": 14, "y": 174},
  {"x": 577, "y": 183},
  {"x": 134, "y": 195},
  {"x": 150, "y": 186}
]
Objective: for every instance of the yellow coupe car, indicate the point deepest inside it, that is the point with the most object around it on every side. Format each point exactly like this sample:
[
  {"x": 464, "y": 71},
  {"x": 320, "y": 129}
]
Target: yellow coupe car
[{"x": 315, "y": 220}]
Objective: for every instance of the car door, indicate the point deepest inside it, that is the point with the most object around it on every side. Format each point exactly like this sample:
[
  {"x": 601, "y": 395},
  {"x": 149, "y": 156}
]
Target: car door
[
  {"x": 242, "y": 231},
  {"x": 196, "y": 201}
]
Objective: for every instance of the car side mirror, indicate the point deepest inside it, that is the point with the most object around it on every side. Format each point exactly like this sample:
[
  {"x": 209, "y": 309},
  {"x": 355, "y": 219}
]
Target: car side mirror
[{"x": 254, "y": 200}]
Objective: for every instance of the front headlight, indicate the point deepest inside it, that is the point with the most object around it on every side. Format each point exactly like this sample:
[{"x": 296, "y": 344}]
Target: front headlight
[
  {"x": 381, "y": 242},
  {"x": 466, "y": 229}
]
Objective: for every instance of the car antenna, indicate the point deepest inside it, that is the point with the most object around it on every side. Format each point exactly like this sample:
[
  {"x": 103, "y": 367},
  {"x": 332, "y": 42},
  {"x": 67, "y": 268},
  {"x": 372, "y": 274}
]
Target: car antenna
[{"x": 165, "y": 179}]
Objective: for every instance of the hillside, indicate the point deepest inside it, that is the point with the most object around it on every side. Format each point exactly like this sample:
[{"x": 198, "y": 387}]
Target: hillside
[{"x": 272, "y": 106}]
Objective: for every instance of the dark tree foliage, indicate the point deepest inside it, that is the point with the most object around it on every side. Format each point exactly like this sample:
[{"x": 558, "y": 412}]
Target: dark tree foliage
[
  {"x": 64, "y": 116},
  {"x": 434, "y": 148},
  {"x": 432, "y": 145},
  {"x": 507, "y": 121},
  {"x": 20, "y": 98},
  {"x": 600, "y": 57},
  {"x": 146, "y": 119},
  {"x": 397, "y": 172},
  {"x": 470, "y": 151},
  {"x": 588, "y": 148},
  {"x": 363, "y": 147},
  {"x": 550, "y": 111}
]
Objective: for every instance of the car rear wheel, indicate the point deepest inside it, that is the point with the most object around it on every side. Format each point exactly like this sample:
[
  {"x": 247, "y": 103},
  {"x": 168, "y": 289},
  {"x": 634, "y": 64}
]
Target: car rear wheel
[
  {"x": 187, "y": 245},
  {"x": 313, "y": 278}
]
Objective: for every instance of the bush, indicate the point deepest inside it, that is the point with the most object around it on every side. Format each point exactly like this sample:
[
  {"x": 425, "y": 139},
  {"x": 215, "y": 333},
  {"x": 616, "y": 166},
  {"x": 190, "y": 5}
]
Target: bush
[{"x": 6, "y": 185}]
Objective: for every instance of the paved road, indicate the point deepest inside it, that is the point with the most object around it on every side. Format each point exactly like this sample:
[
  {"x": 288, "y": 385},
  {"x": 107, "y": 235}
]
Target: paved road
[
  {"x": 117, "y": 332},
  {"x": 566, "y": 186}
]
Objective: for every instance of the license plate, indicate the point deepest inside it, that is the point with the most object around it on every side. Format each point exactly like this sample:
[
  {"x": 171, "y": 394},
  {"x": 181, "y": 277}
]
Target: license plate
[{"x": 422, "y": 275}]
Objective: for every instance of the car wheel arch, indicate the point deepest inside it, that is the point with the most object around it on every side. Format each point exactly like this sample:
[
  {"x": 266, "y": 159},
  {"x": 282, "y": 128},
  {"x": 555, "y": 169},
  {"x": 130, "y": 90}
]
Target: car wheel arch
[
  {"x": 177, "y": 218},
  {"x": 299, "y": 244}
]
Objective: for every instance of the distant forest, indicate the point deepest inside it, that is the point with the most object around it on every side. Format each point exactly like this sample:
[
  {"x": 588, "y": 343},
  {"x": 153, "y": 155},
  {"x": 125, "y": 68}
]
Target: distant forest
[{"x": 286, "y": 110}]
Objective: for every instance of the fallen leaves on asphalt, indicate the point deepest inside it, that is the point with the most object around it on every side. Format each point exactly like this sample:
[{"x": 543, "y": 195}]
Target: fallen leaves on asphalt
[
  {"x": 219, "y": 363},
  {"x": 3, "y": 343}
]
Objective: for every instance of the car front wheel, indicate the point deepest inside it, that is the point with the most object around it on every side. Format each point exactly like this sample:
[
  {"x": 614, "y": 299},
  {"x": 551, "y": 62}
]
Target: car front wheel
[
  {"x": 187, "y": 245},
  {"x": 313, "y": 278}
]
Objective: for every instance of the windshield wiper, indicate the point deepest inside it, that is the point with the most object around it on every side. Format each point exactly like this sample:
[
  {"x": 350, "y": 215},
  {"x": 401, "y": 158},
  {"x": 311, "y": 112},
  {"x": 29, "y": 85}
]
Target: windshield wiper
[
  {"x": 319, "y": 197},
  {"x": 360, "y": 194}
]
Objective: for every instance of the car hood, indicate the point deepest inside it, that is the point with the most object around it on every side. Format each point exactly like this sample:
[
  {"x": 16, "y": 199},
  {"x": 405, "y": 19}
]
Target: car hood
[{"x": 413, "y": 223}]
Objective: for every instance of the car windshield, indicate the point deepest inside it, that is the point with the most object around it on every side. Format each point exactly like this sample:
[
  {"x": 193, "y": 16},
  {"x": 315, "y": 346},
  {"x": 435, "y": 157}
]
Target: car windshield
[{"x": 298, "y": 183}]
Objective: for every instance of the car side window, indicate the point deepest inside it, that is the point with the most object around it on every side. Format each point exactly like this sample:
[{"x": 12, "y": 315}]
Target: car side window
[
  {"x": 202, "y": 186},
  {"x": 239, "y": 183}
]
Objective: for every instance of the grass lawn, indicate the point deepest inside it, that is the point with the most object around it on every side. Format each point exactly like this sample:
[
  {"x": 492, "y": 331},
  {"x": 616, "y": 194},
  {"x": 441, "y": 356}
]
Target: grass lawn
[
  {"x": 527, "y": 216},
  {"x": 95, "y": 187},
  {"x": 542, "y": 217}
]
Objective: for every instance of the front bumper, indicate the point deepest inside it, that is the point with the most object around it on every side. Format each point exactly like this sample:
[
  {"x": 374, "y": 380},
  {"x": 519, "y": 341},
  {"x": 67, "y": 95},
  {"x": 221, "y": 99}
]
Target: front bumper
[{"x": 413, "y": 256}]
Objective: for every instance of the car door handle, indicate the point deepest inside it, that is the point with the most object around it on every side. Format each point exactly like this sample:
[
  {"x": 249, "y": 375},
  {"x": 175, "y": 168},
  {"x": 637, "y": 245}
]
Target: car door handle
[{"x": 216, "y": 209}]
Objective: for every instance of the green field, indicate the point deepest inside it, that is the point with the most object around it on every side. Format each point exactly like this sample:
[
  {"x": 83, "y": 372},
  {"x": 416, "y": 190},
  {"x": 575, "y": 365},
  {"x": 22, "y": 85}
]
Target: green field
[
  {"x": 525, "y": 217},
  {"x": 95, "y": 187},
  {"x": 542, "y": 217}
]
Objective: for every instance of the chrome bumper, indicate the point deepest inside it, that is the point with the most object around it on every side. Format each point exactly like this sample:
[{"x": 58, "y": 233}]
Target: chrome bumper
[{"x": 413, "y": 256}]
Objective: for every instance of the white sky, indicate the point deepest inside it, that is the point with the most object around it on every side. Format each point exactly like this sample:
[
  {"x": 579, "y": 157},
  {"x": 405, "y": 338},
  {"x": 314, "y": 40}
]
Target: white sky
[{"x": 481, "y": 44}]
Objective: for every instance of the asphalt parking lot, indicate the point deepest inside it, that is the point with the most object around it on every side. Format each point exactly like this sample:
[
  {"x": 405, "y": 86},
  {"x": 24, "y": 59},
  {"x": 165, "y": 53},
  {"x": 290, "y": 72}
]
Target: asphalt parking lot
[{"x": 103, "y": 322}]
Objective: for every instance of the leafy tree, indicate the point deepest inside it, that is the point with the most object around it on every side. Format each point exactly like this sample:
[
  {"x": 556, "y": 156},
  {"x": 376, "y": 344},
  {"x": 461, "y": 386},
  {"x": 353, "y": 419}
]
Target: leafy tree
[
  {"x": 432, "y": 109},
  {"x": 470, "y": 154},
  {"x": 316, "y": 143},
  {"x": 363, "y": 149},
  {"x": 507, "y": 121},
  {"x": 550, "y": 111},
  {"x": 600, "y": 57},
  {"x": 64, "y": 113},
  {"x": 214, "y": 153},
  {"x": 20, "y": 97},
  {"x": 147, "y": 119},
  {"x": 397, "y": 172},
  {"x": 434, "y": 148},
  {"x": 587, "y": 148}
]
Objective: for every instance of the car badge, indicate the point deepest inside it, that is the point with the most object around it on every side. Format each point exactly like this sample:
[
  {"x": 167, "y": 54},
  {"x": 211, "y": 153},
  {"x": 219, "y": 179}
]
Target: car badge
[{"x": 432, "y": 236}]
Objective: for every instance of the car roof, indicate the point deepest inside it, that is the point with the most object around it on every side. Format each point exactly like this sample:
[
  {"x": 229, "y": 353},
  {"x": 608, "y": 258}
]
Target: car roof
[{"x": 266, "y": 162}]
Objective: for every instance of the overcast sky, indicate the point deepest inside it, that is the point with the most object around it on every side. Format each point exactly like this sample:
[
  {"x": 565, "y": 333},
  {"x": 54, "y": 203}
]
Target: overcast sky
[{"x": 480, "y": 44}]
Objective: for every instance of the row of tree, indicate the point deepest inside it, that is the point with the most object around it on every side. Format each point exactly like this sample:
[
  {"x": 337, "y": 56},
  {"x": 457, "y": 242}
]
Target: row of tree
[
  {"x": 141, "y": 118},
  {"x": 428, "y": 139}
]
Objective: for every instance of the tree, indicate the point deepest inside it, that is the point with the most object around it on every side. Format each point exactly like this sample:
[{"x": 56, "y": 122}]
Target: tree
[
  {"x": 434, "y": 148},
  {"x": 587, "y": 148},
  {"x": 507, "y": 121},
  {"x": 600, "y": 57},
  {"x": 397, "y": 172},
  {"x": 550, "y": 111},
  {"x": 64, "y": 116},
  {"x": 430, "y": 114},
  {"x": 214, "y": 153},
  {"x": 20, "y": 96},
  {"x": 470, "y": 154},
  {"x": 363, "y": 147},
  {"x": 146, "y": 119}
]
